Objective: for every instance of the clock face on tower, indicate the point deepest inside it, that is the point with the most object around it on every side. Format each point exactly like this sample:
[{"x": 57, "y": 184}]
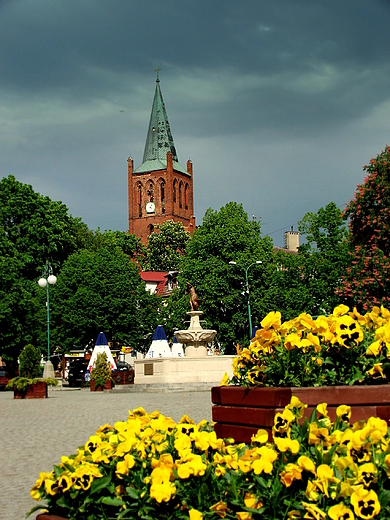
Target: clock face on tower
[{"x": 150, "y": 207}]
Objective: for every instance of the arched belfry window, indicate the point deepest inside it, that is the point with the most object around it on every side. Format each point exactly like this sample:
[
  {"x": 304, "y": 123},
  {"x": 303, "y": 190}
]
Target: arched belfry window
[
  {"x": 139, "y": 199},
  {"x": 150, "y": 229},
  {"x": 162, "y": 196},
  {"x": 174, "y": 190},
  {"x": 180, "y": 195},
  {"x": 150, "y": 191},
  {"x": 186, "y": 196}
]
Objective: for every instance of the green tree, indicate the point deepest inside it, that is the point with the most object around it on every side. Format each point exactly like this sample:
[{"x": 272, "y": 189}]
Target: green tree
[
  {"x": 227, "y": 235},
  {"x": 101, "y": 291},
  {"x": 166, "y": 246},
  {"x": 33, "y": 229},
  {"x": 367, "y": 280},
  {"x": 323, "y": 258}
]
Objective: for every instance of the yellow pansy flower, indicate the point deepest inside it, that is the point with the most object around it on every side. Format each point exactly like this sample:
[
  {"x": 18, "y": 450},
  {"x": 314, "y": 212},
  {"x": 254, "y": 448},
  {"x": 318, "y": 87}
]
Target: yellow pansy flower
[
  {"x": 313, "y": 512},
  {"x": 340, "y": 512},
  {"x": 252, "y": 501},
  {"x": 194, "y": 514},
  {"x": 344, "y": 412},
  {"x": 273, "y": 319},
  {"x": 225, "y": 380},
  {"x": 220, "y": 508},
  {"x": 365, "y": 503}
]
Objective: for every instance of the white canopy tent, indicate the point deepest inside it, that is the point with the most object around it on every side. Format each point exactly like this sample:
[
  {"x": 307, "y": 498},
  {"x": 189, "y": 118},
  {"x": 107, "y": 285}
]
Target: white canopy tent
[
  {"x": 160, "y": 345},
  {"x": 101, "y": 346}
]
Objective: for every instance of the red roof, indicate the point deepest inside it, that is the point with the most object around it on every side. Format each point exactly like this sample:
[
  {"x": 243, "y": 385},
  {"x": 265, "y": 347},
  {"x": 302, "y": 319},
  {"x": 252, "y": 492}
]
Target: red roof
[{"x": 158, "y": 277}]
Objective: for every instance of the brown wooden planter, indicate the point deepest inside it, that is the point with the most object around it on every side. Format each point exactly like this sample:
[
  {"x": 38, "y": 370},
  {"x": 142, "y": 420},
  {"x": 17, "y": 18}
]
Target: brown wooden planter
[
  {"x": 107, "y": 386},
  {"x": 239, "y": 412},
  {"x": 47, "y": 516},
  {"x": 35, "y": 391},
  {"x": 123, "y": 377}
]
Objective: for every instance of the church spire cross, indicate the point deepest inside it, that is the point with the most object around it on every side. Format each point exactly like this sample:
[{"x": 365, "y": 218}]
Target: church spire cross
[{"x": 156, "y": 71}]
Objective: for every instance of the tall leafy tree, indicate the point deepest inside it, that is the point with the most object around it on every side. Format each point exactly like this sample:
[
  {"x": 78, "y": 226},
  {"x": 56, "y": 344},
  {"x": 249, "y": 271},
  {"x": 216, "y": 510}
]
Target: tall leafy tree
[
  {"x": 367, "y": 280},
  {"x": 166, "y": 246},
  {"x": 324, "y": 257},
  {"x": 33, "y": 230},
  {"x": 101, "y": 291},
  {"x": 224, "y": 236}
]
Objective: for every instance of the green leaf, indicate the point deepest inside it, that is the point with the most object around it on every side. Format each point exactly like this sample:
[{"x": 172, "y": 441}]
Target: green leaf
[{"x": 99, "y": 484}]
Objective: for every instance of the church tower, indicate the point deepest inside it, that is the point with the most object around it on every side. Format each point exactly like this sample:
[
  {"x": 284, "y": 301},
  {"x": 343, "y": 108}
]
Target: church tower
[{"x": 160, "y": 189}]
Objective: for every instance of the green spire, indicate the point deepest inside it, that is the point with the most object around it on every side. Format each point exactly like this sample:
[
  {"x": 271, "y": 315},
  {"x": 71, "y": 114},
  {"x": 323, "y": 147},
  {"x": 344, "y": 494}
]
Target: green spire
[{"x": 159, "y": 140}]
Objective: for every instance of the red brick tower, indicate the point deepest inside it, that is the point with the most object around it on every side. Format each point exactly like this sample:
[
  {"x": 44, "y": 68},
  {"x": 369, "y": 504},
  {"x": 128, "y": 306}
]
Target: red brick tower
[{"x": 160, "y": 189}]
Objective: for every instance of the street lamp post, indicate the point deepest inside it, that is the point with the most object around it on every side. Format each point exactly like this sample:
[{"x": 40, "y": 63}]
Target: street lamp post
[
  {"x": 246, "y": 269},
  {"x": 47, "y": 279}
]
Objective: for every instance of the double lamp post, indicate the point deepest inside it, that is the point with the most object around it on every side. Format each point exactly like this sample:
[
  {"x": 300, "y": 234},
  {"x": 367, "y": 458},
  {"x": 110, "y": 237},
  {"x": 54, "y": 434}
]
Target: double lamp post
[{"x": 47, "y": 279}]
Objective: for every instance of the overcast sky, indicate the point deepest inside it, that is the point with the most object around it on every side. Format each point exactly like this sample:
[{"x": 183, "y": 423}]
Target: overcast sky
[{"x": 278, "y": 103}]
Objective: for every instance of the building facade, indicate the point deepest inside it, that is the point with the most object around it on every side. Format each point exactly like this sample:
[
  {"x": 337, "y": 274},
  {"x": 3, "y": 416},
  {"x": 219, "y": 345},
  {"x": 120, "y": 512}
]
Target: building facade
[{"x": 160, "y": 188}]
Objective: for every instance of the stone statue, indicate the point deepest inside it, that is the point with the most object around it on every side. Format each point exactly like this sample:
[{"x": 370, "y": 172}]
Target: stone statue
[{"x": 194, "y": 300}]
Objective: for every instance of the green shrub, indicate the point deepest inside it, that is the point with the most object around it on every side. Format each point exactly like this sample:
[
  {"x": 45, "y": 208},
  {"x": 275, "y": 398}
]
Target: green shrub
[
  {"x": 30, "y": 362},
  {"x": 101, "y": 372}
]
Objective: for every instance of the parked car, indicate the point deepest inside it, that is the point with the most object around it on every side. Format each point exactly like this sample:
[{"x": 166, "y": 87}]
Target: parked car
[
  {"x": 4, "y": 379},
  {"x": 76, "y": 374}
]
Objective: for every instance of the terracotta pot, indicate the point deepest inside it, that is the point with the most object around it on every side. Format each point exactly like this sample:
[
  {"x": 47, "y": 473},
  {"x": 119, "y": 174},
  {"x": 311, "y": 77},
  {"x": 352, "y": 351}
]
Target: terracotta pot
[
  {"x": 239, "y": 412},
  {"x": 35, "y": 391},
  {"x": 107, "y": 386}
]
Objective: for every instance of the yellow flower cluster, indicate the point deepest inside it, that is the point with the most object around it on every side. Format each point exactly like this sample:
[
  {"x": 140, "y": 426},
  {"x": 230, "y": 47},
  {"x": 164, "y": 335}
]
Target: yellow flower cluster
[
  {"x": 315, "y": 352},
  {"x": 150, "y": 466}
]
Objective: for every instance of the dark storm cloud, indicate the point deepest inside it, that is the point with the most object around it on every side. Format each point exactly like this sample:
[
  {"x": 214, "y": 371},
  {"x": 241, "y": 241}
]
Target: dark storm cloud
[{"x": 250, "y": 86}]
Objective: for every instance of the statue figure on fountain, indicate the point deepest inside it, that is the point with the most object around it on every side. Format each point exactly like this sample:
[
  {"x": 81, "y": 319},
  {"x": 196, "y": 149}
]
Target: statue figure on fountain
[{"x": 195, "y": 338}]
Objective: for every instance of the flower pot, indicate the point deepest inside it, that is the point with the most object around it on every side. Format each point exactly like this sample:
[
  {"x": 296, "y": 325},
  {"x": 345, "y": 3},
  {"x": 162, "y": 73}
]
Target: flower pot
[
  {"x": 107, "y": 386},
  {"x": 239, "y": 412},
  {"x": 47, "y": 516},
  {"x": 34, "y": 391}
]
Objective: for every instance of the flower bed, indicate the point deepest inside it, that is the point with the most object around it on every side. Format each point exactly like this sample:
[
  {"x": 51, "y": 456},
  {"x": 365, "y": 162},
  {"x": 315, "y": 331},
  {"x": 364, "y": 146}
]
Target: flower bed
[
  {"x": 151, "y": 467},
  {"x": 345, "y": 348}
]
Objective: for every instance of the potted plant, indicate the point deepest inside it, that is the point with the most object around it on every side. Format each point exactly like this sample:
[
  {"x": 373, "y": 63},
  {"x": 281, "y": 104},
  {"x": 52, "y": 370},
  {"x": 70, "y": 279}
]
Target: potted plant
[
  {"x": 28, "y": 384},
  {"x": 150, "y": 467},
  {"x": 101, "y": 374},
  {"x": 338, "y": 358}
]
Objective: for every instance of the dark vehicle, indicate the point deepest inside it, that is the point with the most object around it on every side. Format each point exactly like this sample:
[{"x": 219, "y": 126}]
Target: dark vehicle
[
  {"x": 76, "y": 374},
  {"x": 122, "y": 365},
  {"x": 4, "y": 379}
]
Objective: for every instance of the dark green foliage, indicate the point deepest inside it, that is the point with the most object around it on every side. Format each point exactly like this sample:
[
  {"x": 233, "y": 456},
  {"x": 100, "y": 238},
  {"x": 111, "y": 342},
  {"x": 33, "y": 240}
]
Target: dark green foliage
[
  {"x": 307, "y": 281},
  {"x": 33, "y": 230},
  {"x": 30, "y": 362},
  {"x": 227, "y": 235},
  {"x": 101, "y": 291}
]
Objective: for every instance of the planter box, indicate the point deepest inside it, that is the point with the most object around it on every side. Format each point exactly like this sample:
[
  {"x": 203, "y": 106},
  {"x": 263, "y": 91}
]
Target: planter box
[
  {"x": 47, "y": 516},
  {"x": 239, "y": 412},
  {"x": 108, "y": 386},
  {"x": 123, "y": 377},
  {"x": 36, "y": 391}
]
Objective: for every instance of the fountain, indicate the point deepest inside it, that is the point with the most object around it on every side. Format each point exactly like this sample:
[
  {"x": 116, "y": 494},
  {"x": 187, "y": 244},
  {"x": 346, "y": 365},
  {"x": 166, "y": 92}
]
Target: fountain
[
  {"x": 196, "y": 368},
  {"x": 195, "y": 338}
]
